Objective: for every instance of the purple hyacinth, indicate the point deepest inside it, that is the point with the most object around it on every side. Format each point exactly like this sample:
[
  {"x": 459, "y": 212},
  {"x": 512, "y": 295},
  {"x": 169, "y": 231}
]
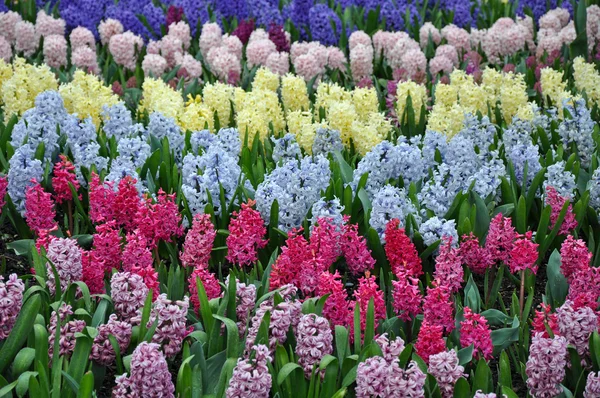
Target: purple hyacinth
[
  {"x": 128, "y": 292},
  {"x": 245, "y": 299},
  {"x": 11, "y": 300},
  {"x": 592, "y": 385},
  {"x": 102, "y": 350},
  {"x": 149, "y": 376},
  {"x": 277, "y": 36},
  {"x": 244, "y": 30},
  {"x": 576, "y": 325},
  {"x": 65, "y": 255},
  {"x": 68, "y": 330},
  {"x": 372, "y": 378},
  {"x": 546, "y": 365},
  {"x": 320, "y": 17},
  {"x": 446, "y": 370},
  {"x": 251, "y": 377},
  {"x": 313, "y": 341}
]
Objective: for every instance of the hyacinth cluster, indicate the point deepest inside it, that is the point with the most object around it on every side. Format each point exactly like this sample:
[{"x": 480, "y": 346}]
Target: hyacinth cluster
[{"x": 11, "y": 300}]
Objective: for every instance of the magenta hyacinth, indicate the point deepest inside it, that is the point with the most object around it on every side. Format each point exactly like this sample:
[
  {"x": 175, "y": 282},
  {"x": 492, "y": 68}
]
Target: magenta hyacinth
[
  {"x": 11, "y": 300},
  {"x": 198, "y": 242},
  {"x": 407, "y": 297},
  {"x": 475, "y": 330},
  {"x": 246, "y": 235},
  {"x": 448, "y": 267},
  {"x": 39, "y": 208}
]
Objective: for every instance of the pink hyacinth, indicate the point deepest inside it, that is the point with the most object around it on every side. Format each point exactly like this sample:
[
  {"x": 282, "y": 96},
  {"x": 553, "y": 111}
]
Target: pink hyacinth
[
  {"x": 5, "y": 50},
  {"x": 127, "y": 203},
  {"x": 282, "y": 317},
  {"x": 92, "y": 272},
  {"x": 444, "y": 366},
  {"x": 546, "y": 365},
  {"x": 190, "y": 65},
  {"x": 8, "y": 21},
  {"x": 426, "y": 31},
  {"x": 409, "y": 383},
  {"x": 234, "y": 46},
  {"x": 288, "y": 266},
  {"x": 68, "y": 329},
  {"x": 278, "y": 63},
  {"x": 246, "y": 235},
  {"x": 390, "y": 350},
  {"x": 154, "y": 64},
  {"x": 258, "y": 51},
  {"x": 475, "y": 257},
  {"x": 107, "y": 246},
  {"x": 414, "y": 63},
  {"x": 11, "y": 300},
  {"x": 3, "y": 187},
  {"x": 592, "y": 385},
  {"x": 358, "y": 38},
  {"x": 499, "y": 241},
  {"x": 137, "y": 259},
  {"x": 85, "y": 59},
  {"x": 355, "y": 250},
  {"x": 198, "y": 243},
  {"x": 576, "y": 325},
  {"x": 556, "y": 202},
  {"x": 314, "y": 340},
  {"x": 406, "y": 297},
  {"x": 46, "y": 25},
  {"x": 39, "y": 208},
  {"x": 325, "y": 241},
  {"x": 475, "y": 330},
  {"x": 26, "y": 40},
  {"x": 44, "y": 238},
  {"x": 524, "y": 254},
  {"x": 128, "y": 292},
  {"x": 210, "y": 38},
  {"x": 574, "y": 255},
  {"x": 372, "y": 378},
  {"x": 170, "y": 317},
  {"x": 336, "y": 59},
  {"x": 543, "y": 319},
  {"x": 251, "y": 377},
  {"x": 369, "y": 290},
  {"x": 101, "y": 198},
  {"x": 109, "y": 28},
  {"x": 64, "y": 174},
  {"x": 209, "y": 281},
  {"x": 448, "y": 266},
  {"x": 171, "y": 48},
  {"x": 245, "y": 299},
  {"x": 102, "y": 349},
  {"x": 361, "y": 61},
  {"x": 480, "y": 394},
  {"x": 159, "y": 221},
  {"x": 307, "y": 66},
  {"x": 124, "y": 48},
  {"x": 82, "y": 37},
  {"x": 181, "y": 30},
  {"x": 336, "y": 307},
  {"x": 430, "y": 341},
  {"x": 375, "y": 377},
  {"x": 225, "y": 65},
  {"x": 400, "y": 251},
  {"x": 438, "y": 308},
  {"x": 440, "y": 64},
  {"x": 149, "y": 375},
  {"x": 65, "y": 255},
  {"x": 585, "y": 286}
]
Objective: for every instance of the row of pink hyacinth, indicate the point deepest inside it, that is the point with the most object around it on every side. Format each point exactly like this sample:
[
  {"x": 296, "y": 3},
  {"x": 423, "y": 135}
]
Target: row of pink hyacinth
[{"x": 224, "y": 54}]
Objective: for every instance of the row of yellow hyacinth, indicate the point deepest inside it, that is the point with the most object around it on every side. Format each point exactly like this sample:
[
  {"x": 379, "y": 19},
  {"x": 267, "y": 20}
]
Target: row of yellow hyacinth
[{"x": 283, "y": 104}]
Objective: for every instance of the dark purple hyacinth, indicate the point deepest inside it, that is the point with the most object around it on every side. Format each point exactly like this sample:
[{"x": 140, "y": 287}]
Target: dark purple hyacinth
[
  {"x": 277, "y": 36},
  {"x": 174, "y": 14},
  {"x": 244, "y": 30}
]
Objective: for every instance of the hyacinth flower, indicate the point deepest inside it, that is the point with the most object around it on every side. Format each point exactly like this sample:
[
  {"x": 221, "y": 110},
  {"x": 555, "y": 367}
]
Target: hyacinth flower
[
  {"x": 39, "y": 209},
  {"x": 246, "y": 235},
  {"x": 64, "y": 178},
  {"x": 3, "y": 188}
]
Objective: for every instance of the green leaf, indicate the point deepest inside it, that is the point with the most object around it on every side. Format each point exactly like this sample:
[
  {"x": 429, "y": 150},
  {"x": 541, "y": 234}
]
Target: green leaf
[
  {"x": 462, "y": 388},
  {"x": 483, "y": 377},
  {"x": 496, "y": 317},
  {"x": 232, "y": 336},
  {"x": 557, "y": 284},
  {"x": 472, "y": 296},
  {"x": 86, "y": 386},
  {"x": 21, "y": 330},
  {"x": 23, "y": 361},
  {"x": 502, "y": 338},
  {"x": 465, "y": 355},
  {"x": 287, "y": 370},
  {"x": 504, "y": 378}
]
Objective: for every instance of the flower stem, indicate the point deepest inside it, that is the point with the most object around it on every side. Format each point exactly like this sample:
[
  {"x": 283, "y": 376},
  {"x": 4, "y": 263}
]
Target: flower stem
[{"x": 522, "y": 292}]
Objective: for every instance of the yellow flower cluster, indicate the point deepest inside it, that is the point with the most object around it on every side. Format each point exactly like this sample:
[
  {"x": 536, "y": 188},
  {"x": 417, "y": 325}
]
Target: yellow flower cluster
[
  {"x": 256, "y": 112},
  {"x": 157, "y": 96},
  {"x": 264, "y": 79},
  {"x": 554, "y": 89},
  {"x": 294, "y": 94},
  {"x": 587, "y": 79},
  {"x": 196, "y": 115},
  {"x": 418, "y": 97},
  {"x": 85, "y": 95},
  {"x": 218, "y": 97},
  {"x": 23, "y": 84}
]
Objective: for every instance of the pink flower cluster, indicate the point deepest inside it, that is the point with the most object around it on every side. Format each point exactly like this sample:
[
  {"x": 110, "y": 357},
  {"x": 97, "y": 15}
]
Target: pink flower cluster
[
  {"x": 245, "y": 298},
  {"x": 11, "y": 300},
  {"x": 406, "y": 297},
  {"x": 3, "y": 187},
  {"x": 445, "y": 368},
  {"x": 402, "y": 53},
  {"x": 121, "y": 204},
  {"x": 222, "y": 53},
  {"x": 523, "y": 254},
  {"x": 592, "y": 385},
  {"x": 474, "y": 256},
  {"x": 448, "y": 267},
  {"x": 369, "y": 290},
  {"x": 311, "y": 59},
  {"x": 65, "y": 255},
  {"x": 543, "y": 319},
  {"x": 475, "y": 330},
  {"x": 149, "y": 375},
  {"x": 159, "y": 221},
  {"x": 314, "y": 340},
  {"x": 574, "y": 257},
  {"x": 137, "y": 259},
  {"x": 556, "y": 202},
  {"x": 556, "y": 30},
  {"x": 401, "y": 252},
  {"x": 68, "y": 329},
  {"x": 246, "y": 235},
  {"x": 64, "y": 174},
  {"x": 546, "y": 365},
  {"x": 438, "y": 308},
  {"x": 506, "y": 37},
  {"x": 576, "y": 323},
  {"x": 102, "y": 349},
  {"x": 361, "y": 55},
  {"x": 430, "y": 340},
  {"x": 55, "y": 51},
  {"x": 128, "y": 292},
  {"x": 124, "y": 48},
  {"x": 337, "y": 307},
  {"x": 39, "y": 208},
  {"x": 251, "y": 377}
]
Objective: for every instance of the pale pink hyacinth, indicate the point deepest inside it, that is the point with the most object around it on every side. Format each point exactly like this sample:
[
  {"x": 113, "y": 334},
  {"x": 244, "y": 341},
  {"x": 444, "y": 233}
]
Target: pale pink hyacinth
[
  {"x": 26, "y": 40},
  {"x": 109, "y": 28},
  {"x": 258, "y": 34},
  {"x": 592, "y": 386},
  {"x": 546, "y": 365},
  {"x": 153, "y": 47},
  {"x": 245, "y": 299},
  {"x": 11, "y": 300},
  {"x": 149, "y": 376},
  {"x": 192, "y": 67},
  {"x": 390, "y": 350},
  {"x": 278, "y": 63},
  {"x": 8, "y": 23},
  {"x": 251, "y": 377},
  {"x": 67, "y": 339},
  {"x": 154, "y": 64},
  {"x": 399, "y": 49},
  {"x": 128, "y": 292},
  {"x": 171, "y": 48},
  {"x": 233, "y": 45},
  {"x": 258, "y": 51},
  {"x": 210, "y": 37},
  {"x": 429, "y": 30},
  {"x": 361, "y": 61},
  {"x": 377, "y": 378},
  {"x": 181, "y": 30},
  {"x": 82, "y": 37},
  {"x": 457, "y": 37},
  {"x": 171, "y": 327},
  {"x": 226, "y": 66},
  {"x": 307, "y": 67},
  {"x": 336, "y": 59},
  {"x": 382, "y": 41},
  {"x": 477, "y": 37},
  {"x": 55, "y": 51},
  {"x": 448, "y": 51},
  {"x": 414, "y": 63},
  {"x": 480, "y": 394},
  {"x": 358, "y": 37},
  {"x": 65, "y": 255},
  {"x": 46, "y": 25},
  {"x": 445, "y": 368},
  {"x": 282, "y": 316},
  {"x": 124, "y": 48},
  {"x": 440, "y": 64},
  {"x": 102, "y": 349},
  {"x": 504, "y": 38},
  {"x": 85, "y": 58},
  {"x": 314, "y": 340},
  {"x": 593, "y": 26},
  {"x": 576, "y": 325},
  {"x": 5, "y": 50}
]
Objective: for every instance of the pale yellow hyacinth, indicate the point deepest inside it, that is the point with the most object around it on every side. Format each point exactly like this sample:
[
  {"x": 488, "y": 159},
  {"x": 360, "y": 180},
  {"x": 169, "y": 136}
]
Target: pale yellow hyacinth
[
  {"x": 587, "y": 79},
  {"x": 85, "y": 95},
  {"x": 365, "y": 102},
  {"x": 157, "y": 96},
  {"x": 328, "y": 94},
  {"x": 554, "y": 88},
  {"x": 513, "y": 95},
  {"x": 294, "y": 93},
  {"x": 218, "y": 98},
  {"x": 264, "y": 79},
  {"x": 25, "y": 83},
  {"x": 256, "y": 111},
  {"x": 418, "y": 96},
  {"x": 340, "y": 116},
  {"x": 196, "y": 115},
  {"x": 446, "y": 120}
]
